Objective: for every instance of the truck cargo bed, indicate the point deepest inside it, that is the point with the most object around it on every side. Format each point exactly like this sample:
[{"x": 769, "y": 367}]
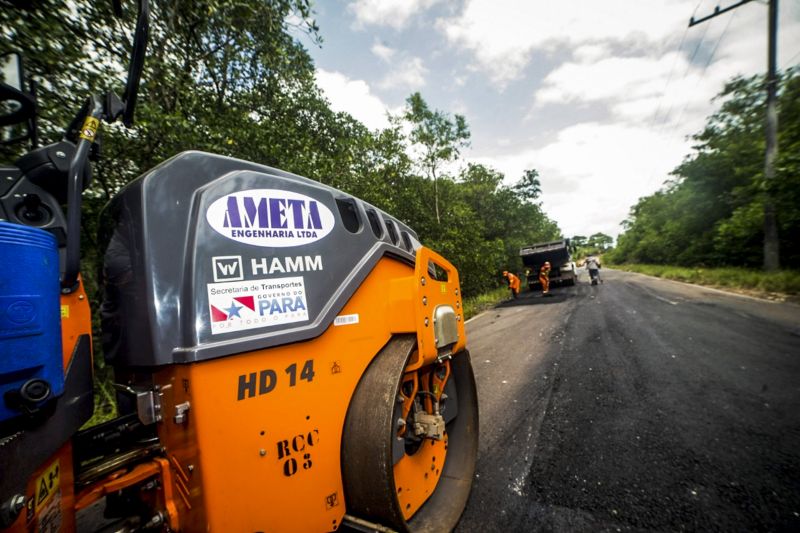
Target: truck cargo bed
[{"x": 556, "y": 252}]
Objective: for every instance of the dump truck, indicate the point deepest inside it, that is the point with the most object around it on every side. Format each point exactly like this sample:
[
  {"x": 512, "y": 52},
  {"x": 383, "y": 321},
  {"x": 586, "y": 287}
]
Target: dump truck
[
  {"x": 287, "y": 357},
  {"x": 562, "y": 269}
]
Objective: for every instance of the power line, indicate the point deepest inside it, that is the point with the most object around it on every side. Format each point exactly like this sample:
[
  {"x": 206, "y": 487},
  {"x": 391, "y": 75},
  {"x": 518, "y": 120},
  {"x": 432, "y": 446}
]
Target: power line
[
  {"x": 672, "y": 69},
  {"x": 677, "y": 121},
  {"x": 708, "y": 62},
  {"x": 789, "y": 62},
  {"x": 771, "y": 241},
  {"x": 685, "y": 74},
  {"x": 717, "y": 11},
  {"x": 666, "y": 115}
]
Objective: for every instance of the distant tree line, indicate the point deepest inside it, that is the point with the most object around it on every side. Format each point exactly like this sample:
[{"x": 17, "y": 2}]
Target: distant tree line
[
  {"x": 595, "y": 244},
  {"x": 234, "y": 78},
  {"x": 711, "y": 211}
]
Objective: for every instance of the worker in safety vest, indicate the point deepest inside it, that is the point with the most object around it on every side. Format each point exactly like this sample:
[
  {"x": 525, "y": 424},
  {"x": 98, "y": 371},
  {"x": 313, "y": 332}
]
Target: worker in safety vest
[
  {"x": 513, "y": 282},
  {"x": 544, "y": 278}
]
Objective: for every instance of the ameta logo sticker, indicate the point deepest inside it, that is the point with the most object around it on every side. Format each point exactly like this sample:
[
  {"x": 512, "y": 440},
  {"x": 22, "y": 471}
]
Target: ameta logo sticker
[{"x": 270, "y": 218}]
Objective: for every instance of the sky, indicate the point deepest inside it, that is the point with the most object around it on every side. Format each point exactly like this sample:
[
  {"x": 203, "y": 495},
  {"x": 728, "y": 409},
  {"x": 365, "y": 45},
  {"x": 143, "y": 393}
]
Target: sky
[{"x": 598, "y": 96}]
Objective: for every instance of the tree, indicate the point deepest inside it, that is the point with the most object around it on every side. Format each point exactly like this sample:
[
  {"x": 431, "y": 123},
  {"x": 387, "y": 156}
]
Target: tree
[
  {"x": 529, "y": 186},
  {"x": 208, "y": 62},
  {"x": 711, "y": 211},
  {"x": 231, "y": 78},
  {"x": 440, "y": 137},
  {"x": 600, "y": 241},
  {"x": 507, "y": 222},
  {"x": 578, "y": 241}
]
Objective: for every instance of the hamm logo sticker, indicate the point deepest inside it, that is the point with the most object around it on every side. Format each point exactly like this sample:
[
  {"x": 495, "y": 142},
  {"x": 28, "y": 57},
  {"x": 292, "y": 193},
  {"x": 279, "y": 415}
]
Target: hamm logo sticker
[{"x": 270, "y": 218}]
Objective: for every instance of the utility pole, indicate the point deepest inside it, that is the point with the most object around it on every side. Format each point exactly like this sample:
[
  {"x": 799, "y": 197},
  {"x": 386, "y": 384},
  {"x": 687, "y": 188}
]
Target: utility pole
[{"x": 771, "y": 243}]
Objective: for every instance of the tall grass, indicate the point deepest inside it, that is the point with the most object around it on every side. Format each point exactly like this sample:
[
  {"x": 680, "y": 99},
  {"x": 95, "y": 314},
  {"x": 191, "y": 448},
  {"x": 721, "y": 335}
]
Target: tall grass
[
  {"x": 105, "y": 402},
  {"x": 477, "y": 304},
  {"x": 783, "y": 281}
]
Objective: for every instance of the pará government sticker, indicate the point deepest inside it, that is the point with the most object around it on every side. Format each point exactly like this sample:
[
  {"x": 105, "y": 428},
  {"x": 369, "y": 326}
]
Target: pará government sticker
[{"x": 242, "y": 305}]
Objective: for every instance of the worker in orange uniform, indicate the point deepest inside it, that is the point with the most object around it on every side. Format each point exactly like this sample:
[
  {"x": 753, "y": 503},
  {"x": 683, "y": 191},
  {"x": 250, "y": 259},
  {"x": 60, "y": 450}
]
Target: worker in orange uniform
[
  {"x": 513, "y": 282},
  {"x": 544, "y": 278}
]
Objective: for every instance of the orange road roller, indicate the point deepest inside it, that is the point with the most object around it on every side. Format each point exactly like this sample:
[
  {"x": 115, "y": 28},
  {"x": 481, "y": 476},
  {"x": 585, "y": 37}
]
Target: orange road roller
[{"x": 286, "y": 356}]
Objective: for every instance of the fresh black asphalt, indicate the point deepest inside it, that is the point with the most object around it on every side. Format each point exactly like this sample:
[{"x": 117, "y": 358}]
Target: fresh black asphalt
[{"x": 637, "y": 405}]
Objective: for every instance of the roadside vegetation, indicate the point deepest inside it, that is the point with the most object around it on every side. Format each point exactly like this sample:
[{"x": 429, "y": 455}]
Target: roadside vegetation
[
  {"x": 475, "y": 305},
  {"x": 785, "y": 283},
  {"x": 236, "y": 79},
  {"x": 710, "y": 213},
  {"x": 583, "y": 247}
]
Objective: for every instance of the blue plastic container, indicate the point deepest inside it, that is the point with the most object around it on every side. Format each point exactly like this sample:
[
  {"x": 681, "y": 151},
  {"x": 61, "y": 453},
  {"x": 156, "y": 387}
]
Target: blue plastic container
[{"x": 30, "y": 315}]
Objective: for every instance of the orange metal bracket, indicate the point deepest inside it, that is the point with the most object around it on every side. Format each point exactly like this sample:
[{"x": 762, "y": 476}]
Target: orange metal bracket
[
  {"x": 431, "y": 293},
  {"x": 437, "y": 383},
  {"x": 113, "y": 483},
  {"x": 120, "y": 480},
  {"x": 408, "y": 401},
  {"x": 169, "y": 500}
]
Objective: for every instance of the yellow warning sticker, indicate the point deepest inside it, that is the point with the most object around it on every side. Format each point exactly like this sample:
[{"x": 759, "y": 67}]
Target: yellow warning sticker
[
  {"x": 47, "y": 484},
  {"x": 443, "y": 288},
  {"x": 64, "y": 311},
  {"x": 89, "y": 129}
]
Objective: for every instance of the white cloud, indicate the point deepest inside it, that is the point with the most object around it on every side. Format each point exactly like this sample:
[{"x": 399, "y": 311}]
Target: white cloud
[
  {"x": 354, "y": 97},
  {"x": 503, "y": 34},
  {"x": 393, "y": 13},
  {"x": 382, "y": 51},
  {"x": 408, "y": 74},
  {"x": 592, "y": 173},
  {"x": 615, "y": 61},
  {"x": 591, "y": 52},
  {"x": 662, "y": 89},
  {"x": 607, "y": 79},
  {"x": 631, "y": 89}
]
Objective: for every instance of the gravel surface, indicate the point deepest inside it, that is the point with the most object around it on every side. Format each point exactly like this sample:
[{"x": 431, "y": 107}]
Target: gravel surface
[{"x": 639, "y": 404}]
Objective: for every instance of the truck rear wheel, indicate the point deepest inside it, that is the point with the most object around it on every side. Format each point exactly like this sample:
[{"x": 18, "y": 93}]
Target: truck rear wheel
[{"x": 393, "y": 475}]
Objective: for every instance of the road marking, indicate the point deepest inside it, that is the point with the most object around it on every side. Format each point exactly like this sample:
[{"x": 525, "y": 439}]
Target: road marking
[
  {"x": 478, "y": 315},
  {"x": 664, "y": 300}
]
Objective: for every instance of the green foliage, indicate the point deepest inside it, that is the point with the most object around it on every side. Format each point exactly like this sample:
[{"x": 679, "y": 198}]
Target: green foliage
[
  {"x": 474, "y": 305},
  {"x": 578, "y": 241},
  {"x": 596, "y": 244},
  {"x": 440, "y": 137},
  {"x": 482, "y": 226},
  {"x": 600, "y": 241},
  {"x": 711, "y": 213},
  {"x": 232, "y": 77},
  {"x": 529, "y": 187}
]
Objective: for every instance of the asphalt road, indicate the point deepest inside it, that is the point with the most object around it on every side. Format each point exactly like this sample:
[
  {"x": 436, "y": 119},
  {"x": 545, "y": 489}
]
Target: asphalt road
[{"x": 639, "y": 404}]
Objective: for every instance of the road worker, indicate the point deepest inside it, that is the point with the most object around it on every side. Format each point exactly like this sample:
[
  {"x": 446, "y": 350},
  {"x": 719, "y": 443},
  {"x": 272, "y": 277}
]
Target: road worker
[
  {"x": 513, "y": 282},
  {"x": 544, "y": 278},
  {"x": 593, "y": 266}
]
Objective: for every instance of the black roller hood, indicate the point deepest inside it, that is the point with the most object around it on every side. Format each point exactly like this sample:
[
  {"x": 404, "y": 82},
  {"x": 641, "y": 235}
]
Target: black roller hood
[{"x": 208, "y": 256}]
